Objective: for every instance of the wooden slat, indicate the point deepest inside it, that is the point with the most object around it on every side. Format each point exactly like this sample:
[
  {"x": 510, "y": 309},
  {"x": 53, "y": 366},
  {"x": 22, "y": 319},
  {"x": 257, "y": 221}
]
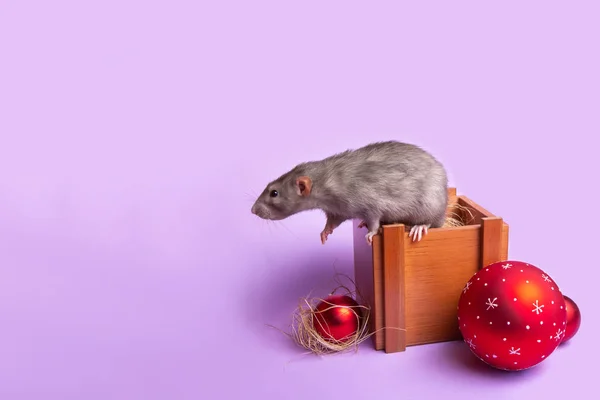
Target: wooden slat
[
  {"x": 363, "y": 269},
  {"x": 452, "y": 195},
  {"x": 476, "y": 211},
  {"x": 378, "y": 306},
  {"x": 467, "y": 201},
  {"x": 504, "y": 249},
  {"x": 437, "y": 269},
  {"x": 491, "y": 240},
  {"x": 394, "y": 295},
  {"x": 368, "y": 278}
]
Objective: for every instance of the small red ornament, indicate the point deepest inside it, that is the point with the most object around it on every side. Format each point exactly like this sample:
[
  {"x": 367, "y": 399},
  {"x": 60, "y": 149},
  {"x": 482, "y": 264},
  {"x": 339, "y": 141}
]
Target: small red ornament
[
  {"x": 512, "y": 315},
  {"x": 573, "y": 319},
  {"x": 337, "y": 318}
]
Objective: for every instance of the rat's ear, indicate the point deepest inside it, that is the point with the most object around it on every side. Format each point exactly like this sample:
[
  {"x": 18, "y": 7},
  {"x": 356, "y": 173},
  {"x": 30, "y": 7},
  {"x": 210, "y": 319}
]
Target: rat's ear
[{"x": 303, "y": 185}]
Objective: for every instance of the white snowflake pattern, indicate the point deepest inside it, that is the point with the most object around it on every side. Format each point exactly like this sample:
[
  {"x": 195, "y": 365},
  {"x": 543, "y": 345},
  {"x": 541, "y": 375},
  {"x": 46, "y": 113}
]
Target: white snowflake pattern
[
  {"x": 467, "y": 286},
  {"x": 538, "y": 308},
  {"x": 491, "y": 303},
  {"x": 546, "y": 278},
  {"x": 559, "y": 334},
  {"x": 513, "y": 351},
  {"x": 470, "y": 343},
  {"x": 507, "y": 266}
]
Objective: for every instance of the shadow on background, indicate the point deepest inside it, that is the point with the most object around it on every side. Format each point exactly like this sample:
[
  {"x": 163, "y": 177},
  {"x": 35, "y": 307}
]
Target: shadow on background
[
  {"x": 290, "y": 276},
  {"x": 457, "y": 354}
]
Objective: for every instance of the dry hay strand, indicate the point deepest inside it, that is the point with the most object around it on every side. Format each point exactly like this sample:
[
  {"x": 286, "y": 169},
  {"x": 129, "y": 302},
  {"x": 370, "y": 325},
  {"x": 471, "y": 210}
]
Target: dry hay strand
[
  {"x": 306, "y": 336},
  {"x": 456, "y": 218}
]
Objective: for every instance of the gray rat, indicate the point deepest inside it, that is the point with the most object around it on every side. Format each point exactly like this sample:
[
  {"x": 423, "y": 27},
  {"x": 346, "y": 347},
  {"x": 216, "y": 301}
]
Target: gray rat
[{"x": 381, "y": 183}]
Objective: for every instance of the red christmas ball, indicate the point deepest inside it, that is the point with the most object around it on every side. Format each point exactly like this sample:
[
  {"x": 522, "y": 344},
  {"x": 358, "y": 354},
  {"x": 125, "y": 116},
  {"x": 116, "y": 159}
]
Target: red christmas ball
[
  {"x": 337, "y": 318},
  {"x": 512, "y": 315},
  {"x": 573, "y": 319}
]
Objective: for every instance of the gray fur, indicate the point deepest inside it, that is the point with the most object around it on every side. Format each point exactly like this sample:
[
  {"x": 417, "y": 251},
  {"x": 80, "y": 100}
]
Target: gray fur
[{"x": 381, "y": 183}]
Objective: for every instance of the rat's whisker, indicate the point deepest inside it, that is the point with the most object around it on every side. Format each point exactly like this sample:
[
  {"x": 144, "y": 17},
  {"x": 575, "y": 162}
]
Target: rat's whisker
[
  {"x": 269, "y": 226},
  {"x": 274, "y": 227},
  {"x": 281, "y": 223},
  {"x": 250, "y": 197}
]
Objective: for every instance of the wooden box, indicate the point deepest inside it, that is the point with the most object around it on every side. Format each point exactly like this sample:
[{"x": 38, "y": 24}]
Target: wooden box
[{"x": 415, "y": 286}]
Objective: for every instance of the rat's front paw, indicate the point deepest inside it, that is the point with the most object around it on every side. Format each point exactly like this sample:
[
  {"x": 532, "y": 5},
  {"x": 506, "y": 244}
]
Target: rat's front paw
[
  {"x": 418, "y": 231},
  {"x": 369, "y": 237},
  {"x": 362, "y": 224},
  {"x": 325, "y": 234}
]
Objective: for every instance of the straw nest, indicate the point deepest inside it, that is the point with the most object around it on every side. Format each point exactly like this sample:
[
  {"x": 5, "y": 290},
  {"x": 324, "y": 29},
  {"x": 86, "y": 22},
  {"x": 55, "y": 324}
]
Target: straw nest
[
  {"x": 305, "y": 334},
  {"x": 458, "y": 215}
]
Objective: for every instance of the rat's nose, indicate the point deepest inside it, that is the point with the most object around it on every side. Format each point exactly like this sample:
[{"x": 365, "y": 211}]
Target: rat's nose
[{"x": 253, "y": 210}]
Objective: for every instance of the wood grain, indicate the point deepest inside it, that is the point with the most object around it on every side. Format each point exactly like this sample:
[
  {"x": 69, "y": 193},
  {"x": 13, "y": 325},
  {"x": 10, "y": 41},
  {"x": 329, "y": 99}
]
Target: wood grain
[
  {"x": 363, "y": 274},
  {"x": 368, "y": 278},
  {"x": 476, "y": 212},
  {"x": 452, "y": 198},
  {"x": 378, "y": 301},
  {"x": 393, "y": 288},
  {"x": 436, "y": 271},
  {"x": 491, "y": 240}
]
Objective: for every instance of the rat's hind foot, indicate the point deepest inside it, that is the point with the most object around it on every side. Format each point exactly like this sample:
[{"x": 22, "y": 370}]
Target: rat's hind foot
[
  {"x": 418, "y": 231},
  {"x": 362, "y": 224}
]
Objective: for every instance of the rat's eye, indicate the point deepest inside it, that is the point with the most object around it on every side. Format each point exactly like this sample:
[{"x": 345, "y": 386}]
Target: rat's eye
[{"x": 274, "y": 193}]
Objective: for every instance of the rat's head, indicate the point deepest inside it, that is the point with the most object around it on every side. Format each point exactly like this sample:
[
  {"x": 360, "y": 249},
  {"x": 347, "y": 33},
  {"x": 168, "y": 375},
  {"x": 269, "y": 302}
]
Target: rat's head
[{"x": 284, "y": 197}]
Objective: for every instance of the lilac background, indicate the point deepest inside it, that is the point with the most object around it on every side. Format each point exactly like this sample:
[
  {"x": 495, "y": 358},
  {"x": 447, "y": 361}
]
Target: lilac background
[{"x": 134, "y": 134}]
